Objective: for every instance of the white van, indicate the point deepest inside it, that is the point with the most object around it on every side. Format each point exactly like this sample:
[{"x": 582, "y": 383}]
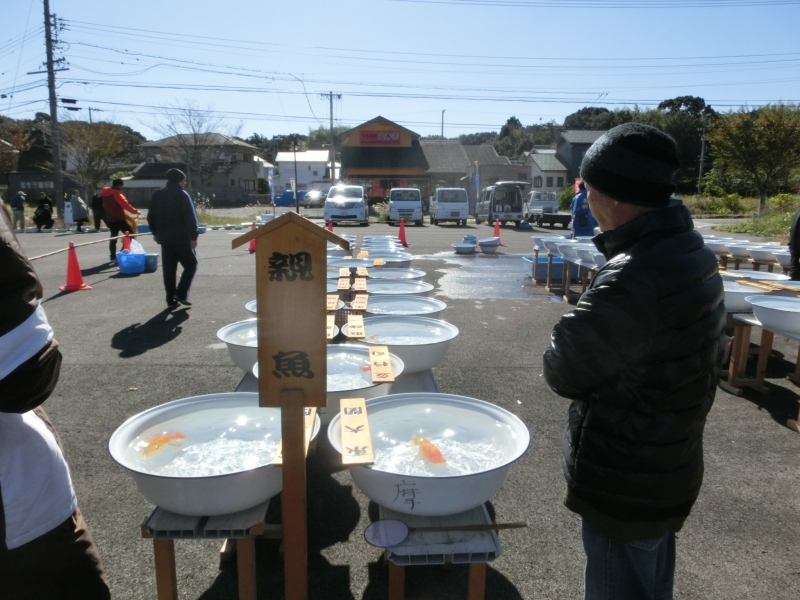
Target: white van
[
  {"x": 405, "y": 203},
  {"x": 501, "y": 201},
  {"x": 449, "y": 204},
  {"x": 346, "y": 203}
]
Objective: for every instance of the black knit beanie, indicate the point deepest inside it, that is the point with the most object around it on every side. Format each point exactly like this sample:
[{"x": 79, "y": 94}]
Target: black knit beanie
[
  {"x": 633, "y": 163},
  {"x": 175, "y": 175}
]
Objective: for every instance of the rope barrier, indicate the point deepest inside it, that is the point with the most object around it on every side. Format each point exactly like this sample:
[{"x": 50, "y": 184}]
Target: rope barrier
[{"x": 119, "y": 237}]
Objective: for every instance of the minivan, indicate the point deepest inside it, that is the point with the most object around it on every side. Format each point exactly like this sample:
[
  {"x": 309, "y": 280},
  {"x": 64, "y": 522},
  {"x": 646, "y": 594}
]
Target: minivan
[
  {"x": 449, "y": 204},
  {"x": 405, "y": 203},
  {"x": 346, "y": 203},
  {"x": 501, "y": 201}
]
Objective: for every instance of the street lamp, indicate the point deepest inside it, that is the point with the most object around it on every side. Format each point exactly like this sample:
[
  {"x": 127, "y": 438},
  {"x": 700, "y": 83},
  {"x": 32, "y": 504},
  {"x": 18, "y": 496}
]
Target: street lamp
[{"x": 296, "y": 198}]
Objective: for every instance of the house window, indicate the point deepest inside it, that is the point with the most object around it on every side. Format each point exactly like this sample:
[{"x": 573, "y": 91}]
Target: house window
[
  {"x": 549, "y": 182},
  {"x": 537, "y": 181},
  {"x": 314, "y": 173},
  {"x": 249, "y": 185},
  {"x": 233, "y": 182},
  {"x": 560, "y": 182},
  {"x": 309, "y": 167}
]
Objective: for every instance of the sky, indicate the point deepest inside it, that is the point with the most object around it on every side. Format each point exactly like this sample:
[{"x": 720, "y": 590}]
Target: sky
[{"x": 433, "y": 66}]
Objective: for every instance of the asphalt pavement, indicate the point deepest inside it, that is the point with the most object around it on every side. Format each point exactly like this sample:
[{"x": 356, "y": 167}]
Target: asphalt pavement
[{"x": 123, "y": 353}]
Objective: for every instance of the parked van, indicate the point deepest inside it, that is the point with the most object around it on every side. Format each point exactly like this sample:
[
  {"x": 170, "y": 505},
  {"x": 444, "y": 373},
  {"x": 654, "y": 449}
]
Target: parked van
[
  {"x": 542, "y": 207},
  {"x": 449, "y": 204},
  {"x": 346, "y": 203},
  {"x": 405, "y": 203},
  {"x": 502, "y": 201}
]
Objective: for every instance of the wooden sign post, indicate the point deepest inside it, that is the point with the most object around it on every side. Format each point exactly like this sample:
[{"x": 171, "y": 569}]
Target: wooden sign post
[{"x": 292, "y": 359}]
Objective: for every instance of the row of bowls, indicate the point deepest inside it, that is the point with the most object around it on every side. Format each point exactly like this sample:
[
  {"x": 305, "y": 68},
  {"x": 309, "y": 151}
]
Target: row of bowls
[
  {"x": 572, "y": 249},
  {"x": 763, "y": 252}
]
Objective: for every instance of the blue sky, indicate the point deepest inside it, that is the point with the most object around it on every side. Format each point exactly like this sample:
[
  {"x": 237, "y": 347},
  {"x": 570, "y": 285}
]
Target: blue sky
[{"x": 261, "y": 66}]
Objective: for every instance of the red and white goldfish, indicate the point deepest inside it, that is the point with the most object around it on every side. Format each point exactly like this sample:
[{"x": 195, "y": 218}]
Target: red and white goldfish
[
  {"x": 428, "y": 451},
  {"x": 159, "y": 442}
]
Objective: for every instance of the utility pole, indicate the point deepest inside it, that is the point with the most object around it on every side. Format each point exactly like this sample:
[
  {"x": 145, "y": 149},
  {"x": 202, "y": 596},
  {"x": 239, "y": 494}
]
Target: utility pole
[
  {"x": 702, "y": 157},
  {"x": 90, "y": 113},
  {"x": 55, "y": 137},
  {"x": 331, "y": 96},
  {"x": 443, "y": 124}
]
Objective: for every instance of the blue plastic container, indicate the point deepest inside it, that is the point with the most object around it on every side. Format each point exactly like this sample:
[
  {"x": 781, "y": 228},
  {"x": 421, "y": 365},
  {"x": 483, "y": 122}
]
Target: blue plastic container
[
  {"x": 539, "y": 271},
  {"x": 130, "y": 264},
  {"x": 150, "y": 263},
  {"x": 142, "y": 228}
]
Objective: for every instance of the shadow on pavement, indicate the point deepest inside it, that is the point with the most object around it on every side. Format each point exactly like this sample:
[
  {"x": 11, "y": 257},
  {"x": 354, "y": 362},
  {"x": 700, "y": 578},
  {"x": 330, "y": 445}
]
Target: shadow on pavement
[
  {"x": 138, "y": 338},
  {"x": 782, "y": 402}
]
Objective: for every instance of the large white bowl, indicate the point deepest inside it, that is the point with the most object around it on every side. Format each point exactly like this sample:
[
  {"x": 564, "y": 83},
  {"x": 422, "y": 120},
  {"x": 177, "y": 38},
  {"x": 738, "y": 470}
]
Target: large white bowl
[
  {"x": 741, "y": 250},
  {"x": 538, "y": 240},
  {"x": 220, "y": 420},
  {"x": 395, "y": 273},
  {"x": 777, "y": 313},
  {"x": 404, "y": 305},
  {"x": 599, "y": 259},
  {"x": 735, "y": 295},
  {"x": 348, "y": 376},
  {"x": 757, "y": 275},
  {"x": 718, "y": 246},
  {"x": 252, "y": 306},
  {"x": 420, "y": 342},
  {"x": 481, "y": 440},
  {"x": 241, "y": 338},
  {"x": 351, "y": 262},
  {"x": 401, "y": 287},
  {"x": 763, "y": 254},
  {"x": 784, "y": 258}
]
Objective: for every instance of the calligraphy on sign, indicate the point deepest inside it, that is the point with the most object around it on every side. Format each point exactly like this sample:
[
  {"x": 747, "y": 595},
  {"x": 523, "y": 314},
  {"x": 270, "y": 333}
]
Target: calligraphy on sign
[
  {"x": 288, "y": 267},
  {"x": 407, "y": 493},
  {"x": 354, "y": 429},
  {"x": 292, "y": 364}
]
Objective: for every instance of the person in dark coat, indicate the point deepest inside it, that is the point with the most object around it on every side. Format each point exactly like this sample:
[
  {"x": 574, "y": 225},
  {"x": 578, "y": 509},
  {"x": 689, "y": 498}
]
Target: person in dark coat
[
  {"x": 97, "y": 209},
  {"x": 639, "y": 358},
  {"x": 18, "y": 210},
  {"x": 43, "y": 215},
  {"x": 173, "y": 222}
]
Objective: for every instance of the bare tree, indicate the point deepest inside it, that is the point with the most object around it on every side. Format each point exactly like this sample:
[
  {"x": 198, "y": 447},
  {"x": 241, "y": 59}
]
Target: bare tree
[
  {"x": 198, "y": 138},
  {"x": 14, "y": 138},
  {"x": 89, "y": 149}
]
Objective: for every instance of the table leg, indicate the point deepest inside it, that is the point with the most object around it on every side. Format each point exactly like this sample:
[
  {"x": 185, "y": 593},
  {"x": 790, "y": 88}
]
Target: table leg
[
  {"x": 738, "y": 360},
  {"x": 246, "y": 566},
  {"x": 476, "y": 586},
  {"x": 397, "y": 589},
  {"x": 764, "y": 350},
  {"x": 166, "y": 581},
  {"x": 795, "y": 377},
  {"x": 549, "y": 270},
  {"x": 565, "y": 279},
  {"x": 723, "y": 262}
]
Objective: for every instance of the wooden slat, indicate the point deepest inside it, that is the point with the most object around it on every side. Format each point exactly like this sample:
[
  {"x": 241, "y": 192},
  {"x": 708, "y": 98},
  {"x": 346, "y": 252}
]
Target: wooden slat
[
  {"x": 378, "y": 262},
  {"x": 363, "y": 254},
  {"x": 380, "y": 365},
  {"x": 360, "y": 284},
  {"x": 362, "y": 272},
  {"x": 343, "y": 284},
  {"x": 360, "y": 302},
  {"x": 356, "y": 438},
  {"x": 331, "y": 301},
  {"x": 308, "y": 428},
  {"x": 329, "y": 326},
  {"x": 355, "y": 327},
  {"x": 344, "y": 271}
]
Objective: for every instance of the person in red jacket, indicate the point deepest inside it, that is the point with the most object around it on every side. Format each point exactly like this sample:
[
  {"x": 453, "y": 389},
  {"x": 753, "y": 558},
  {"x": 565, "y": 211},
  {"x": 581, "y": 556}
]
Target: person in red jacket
[{"x": 115, "y": 205}]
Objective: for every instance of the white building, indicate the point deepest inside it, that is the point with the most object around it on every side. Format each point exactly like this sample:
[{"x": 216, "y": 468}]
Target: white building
[
  {"x": 548, "y": 174},
  {"x": 312, "y": 168}
]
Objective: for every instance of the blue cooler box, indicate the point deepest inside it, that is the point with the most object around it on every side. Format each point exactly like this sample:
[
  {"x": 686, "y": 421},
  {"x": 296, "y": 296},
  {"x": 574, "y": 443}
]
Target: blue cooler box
[
  {"x": 130, "y": 264},
  {"x": 539, "y": 271}
]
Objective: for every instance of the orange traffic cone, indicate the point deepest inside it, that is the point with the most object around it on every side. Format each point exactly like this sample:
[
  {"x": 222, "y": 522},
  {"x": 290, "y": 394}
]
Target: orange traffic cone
[
  {"x": 497, "y": 230},
  {"x": 252, "y": 246},
  {"x": 74, "y": 277},
  {"x": 126, "y": 242},
  {"x": 330, "y": 225},
  {"x": 402, "y": 235}
]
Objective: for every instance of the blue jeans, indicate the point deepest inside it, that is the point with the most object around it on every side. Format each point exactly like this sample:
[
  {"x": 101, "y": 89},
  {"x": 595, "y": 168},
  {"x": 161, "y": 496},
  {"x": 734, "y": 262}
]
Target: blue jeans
[{"x": 638, "y": 570}]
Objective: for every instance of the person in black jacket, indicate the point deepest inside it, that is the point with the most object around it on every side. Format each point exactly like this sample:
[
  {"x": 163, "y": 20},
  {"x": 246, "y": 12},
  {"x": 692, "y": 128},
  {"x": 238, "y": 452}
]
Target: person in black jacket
[
  {"x": 639, "y": 358},
  {"x": 173, "y": 221}
]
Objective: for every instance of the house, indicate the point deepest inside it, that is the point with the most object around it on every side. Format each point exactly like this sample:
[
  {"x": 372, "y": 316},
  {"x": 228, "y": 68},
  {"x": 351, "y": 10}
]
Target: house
[
  {"x": 447, "y": 162},
  {"x": 214, "y": 161},
  {"x": 487, "y": 168},
  {"x": 547, "y": 173},
  {"x": 571, "y": 147},
  {"x": 312, "y": 168}
]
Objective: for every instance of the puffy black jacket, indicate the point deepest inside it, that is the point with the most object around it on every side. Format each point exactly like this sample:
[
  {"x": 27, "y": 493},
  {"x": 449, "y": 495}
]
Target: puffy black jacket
[
  {"x": 171, "y": 216},
  {"x": 639, "y": 356}
]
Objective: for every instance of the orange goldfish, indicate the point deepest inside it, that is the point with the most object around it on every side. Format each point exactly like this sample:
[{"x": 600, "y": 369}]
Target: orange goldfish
[
  {"x": 159, "y": 442},
  {"x": 428, "y": 451}
]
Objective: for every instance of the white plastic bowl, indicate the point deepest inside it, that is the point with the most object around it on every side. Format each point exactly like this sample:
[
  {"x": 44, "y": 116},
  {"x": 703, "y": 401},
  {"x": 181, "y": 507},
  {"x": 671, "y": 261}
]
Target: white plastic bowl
[
  {"x": 539, "y": 240},
  {"x": 741, "y": 250},
  {"x": 404, "y": 305},
  {"x": 242, "y": 341},
  {"x": 420, "y": 342},
  {"x": 398, "y": 287},
  {"x": 784, "y": 258},
  {"x": 351, "y": 262},
  {"x": 481, "y": 439},
  {"x": 464, "y": 248},
  {"x": 394, "y": 273},
  {"x": 735, "y": 295},
  {"x": 718, "y": 246},
  {"x": 234, "y": 416},
  {"x": 757, "y": 275},
  {"x": 763, "y": 254},
  {"x": 347, "y": 377},
  {"x": 777, "y": 313},
  {"x": 252, "y": 306}
]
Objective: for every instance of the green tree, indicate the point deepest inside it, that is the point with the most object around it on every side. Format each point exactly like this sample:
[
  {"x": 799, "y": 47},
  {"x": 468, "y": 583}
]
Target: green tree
[
  {"x": 760, "y": 146},
  {"x": 685, "y": 118}
]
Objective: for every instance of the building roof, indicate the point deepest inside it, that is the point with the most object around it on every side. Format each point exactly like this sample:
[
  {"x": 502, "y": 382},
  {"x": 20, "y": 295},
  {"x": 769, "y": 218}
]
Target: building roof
[
  {"x": 202, "y": 139},
  {"x": 388, "y": 158},
  {"x": 547, "y": 162},
  {"x": 485, "y": 154},
  {"x": 345, "y": 134},
  {"x": 156, "y": 170},
  {"x": 445, "y": 156},
  {"x": 581, "y": 136},
  {"x": 312, "y": 156},
  {"x": 267, "y": 164}
]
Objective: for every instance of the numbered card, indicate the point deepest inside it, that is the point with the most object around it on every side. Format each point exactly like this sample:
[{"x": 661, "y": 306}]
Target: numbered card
[
  {"x": 331, "y": 301},
  {"x": 344, "y": 271},
  {"x": 355, "y": 327},
  {"x": 308, "y": 427},
  {"x": 348, "y": 257},
  {"x": 360, "y": 284},
  {"x": 330, "y": 327},
  {"x": 360, "y": 302},
  {"x": 378, "y": 262},
  {"x": 343, "y": 285},
  {"x": 356, "y": 438},
  {"x": 363, "y": 254},
  {"x": 362, "y": 272},
  {"x": 380, "y": 364}
]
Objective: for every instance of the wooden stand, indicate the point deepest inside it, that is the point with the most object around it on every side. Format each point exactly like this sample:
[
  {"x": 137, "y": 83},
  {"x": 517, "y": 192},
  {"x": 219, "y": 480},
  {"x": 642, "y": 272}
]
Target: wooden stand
[{"x": 740, "y": 352}]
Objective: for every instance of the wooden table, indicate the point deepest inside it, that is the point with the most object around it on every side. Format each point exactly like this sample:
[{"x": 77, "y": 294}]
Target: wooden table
[{"x": 474, "y": 548}]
